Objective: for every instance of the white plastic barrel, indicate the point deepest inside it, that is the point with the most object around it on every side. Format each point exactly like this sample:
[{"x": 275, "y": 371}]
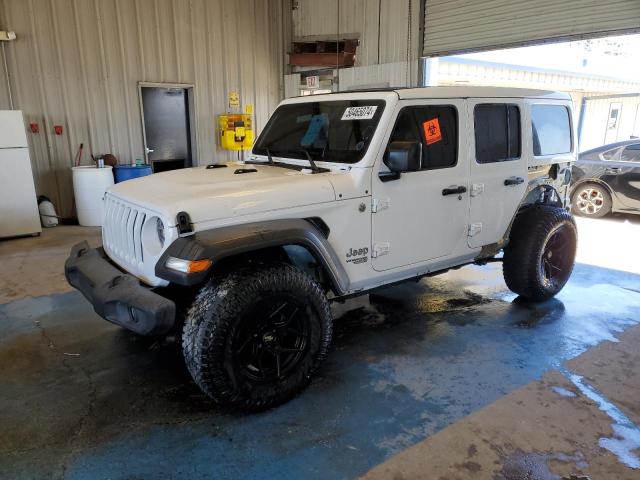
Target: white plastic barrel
[{"x": 89, "y": 187}]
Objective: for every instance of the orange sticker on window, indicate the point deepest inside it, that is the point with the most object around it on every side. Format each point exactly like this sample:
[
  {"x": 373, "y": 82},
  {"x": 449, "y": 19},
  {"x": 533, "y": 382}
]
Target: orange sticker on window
[{"x": 432, "y": 131}]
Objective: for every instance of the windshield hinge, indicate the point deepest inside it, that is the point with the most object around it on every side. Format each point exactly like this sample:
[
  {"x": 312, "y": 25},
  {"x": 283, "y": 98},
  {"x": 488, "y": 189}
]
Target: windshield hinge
[{"x": 184, "y": 223}]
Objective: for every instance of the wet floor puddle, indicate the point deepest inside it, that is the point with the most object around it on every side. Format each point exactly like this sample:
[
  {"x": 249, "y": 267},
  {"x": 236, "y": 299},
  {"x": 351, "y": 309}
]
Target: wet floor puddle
[
  {"x": 535, "y": 466},
  {"x": 380, "y": 309},
  {"x": 625, "y": 443}
]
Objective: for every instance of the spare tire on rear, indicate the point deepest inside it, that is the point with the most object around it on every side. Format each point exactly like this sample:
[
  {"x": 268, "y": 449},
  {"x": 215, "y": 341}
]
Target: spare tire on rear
[{"x": 540, "y": 255}]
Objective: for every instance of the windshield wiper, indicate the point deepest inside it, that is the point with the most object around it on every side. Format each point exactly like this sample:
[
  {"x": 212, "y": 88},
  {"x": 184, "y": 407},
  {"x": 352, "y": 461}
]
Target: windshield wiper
[
  {"x": 269, "y": 155},
  {"x": 314, "y": 167}
]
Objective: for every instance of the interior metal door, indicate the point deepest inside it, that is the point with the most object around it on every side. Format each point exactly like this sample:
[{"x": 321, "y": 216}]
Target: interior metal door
[
  {"x": 422, "y": 215},
  {"x": 498, "y": 172},
  {"x": 613, "y": 123},
  {"x": 167, "y": 131}
]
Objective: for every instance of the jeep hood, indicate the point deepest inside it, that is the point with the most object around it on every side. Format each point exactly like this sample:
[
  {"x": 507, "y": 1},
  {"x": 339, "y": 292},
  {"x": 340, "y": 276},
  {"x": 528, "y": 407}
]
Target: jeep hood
[{"x": 217, "y": 193}]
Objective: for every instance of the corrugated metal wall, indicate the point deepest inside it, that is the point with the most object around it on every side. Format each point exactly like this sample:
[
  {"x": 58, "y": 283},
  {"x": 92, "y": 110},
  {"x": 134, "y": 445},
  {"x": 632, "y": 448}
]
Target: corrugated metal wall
[
  {"x": 77, "y": 63},
  {"x": 384, "y": 26},
  {"x": 454, "y": 26}
]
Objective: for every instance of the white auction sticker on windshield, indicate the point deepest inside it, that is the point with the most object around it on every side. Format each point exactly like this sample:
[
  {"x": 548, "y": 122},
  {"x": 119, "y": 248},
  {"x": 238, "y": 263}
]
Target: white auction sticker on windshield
[{"x": 359, "y": 113}]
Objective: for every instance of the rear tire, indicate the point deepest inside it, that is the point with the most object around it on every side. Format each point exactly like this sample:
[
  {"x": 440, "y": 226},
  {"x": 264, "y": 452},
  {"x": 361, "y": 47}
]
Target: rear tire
[
  {"x": 253, "y": 338},
  {"x": 591, "y": 200},
  {"x": 540, "y": 255}
]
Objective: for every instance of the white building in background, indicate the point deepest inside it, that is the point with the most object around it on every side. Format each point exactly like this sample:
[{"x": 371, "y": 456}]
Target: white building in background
[{"x": 608, "y": 118}]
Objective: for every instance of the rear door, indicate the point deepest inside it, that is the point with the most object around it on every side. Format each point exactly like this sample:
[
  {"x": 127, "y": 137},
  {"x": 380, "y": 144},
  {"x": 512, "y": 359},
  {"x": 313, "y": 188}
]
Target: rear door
[
  {"x": 422, "y": 215},
  {"x": 623, "y": 175},
  {"x": 498, "y": 168}
]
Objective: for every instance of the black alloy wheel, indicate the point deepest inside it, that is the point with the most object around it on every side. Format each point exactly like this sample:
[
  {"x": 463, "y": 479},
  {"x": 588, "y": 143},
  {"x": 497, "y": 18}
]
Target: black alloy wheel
[{"x": 271, "y": 339}]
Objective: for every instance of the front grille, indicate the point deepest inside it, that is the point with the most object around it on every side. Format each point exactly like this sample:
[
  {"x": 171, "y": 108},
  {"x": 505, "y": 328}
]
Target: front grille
[{"x": 122, "y": 231}]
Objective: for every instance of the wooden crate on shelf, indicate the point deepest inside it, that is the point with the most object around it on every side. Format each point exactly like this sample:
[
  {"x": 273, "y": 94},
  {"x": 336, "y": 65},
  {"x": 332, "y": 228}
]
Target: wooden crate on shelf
[{"x": 324, "y": 53}]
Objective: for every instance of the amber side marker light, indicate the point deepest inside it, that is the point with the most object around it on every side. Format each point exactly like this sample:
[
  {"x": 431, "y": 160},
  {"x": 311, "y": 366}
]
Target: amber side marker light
[{"x": 187, "y": 266}]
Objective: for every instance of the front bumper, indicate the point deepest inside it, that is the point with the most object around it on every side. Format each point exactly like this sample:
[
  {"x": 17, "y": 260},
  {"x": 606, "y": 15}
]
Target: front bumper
[{"x": 117, "y": 296}]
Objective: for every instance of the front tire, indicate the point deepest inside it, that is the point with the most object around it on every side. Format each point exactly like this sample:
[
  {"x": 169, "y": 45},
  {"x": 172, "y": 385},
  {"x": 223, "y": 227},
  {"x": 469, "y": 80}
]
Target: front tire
[
  {"x": 541, "y": 252},
  {"x": 253, "y": 339}
]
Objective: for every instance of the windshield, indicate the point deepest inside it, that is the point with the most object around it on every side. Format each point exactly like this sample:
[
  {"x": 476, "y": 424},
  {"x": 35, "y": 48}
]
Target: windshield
[{"x": 331, "y": 131}]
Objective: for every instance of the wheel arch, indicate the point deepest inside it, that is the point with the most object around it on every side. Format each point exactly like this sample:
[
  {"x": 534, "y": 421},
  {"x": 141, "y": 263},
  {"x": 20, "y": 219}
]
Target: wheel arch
[
  {"x": 597, "y": 181},
  {"x": 541, "y": 194},
  {"x": 256, "y": 241}
]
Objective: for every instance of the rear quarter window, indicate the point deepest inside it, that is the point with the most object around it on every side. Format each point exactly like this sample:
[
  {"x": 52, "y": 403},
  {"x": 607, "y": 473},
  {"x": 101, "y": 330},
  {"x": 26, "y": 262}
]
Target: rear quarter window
[{"x": 551, "y": 129}]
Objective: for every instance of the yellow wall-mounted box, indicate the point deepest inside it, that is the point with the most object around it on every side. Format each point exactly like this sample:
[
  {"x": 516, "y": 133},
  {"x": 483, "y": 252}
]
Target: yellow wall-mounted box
[{"x": 235, "y": 131}]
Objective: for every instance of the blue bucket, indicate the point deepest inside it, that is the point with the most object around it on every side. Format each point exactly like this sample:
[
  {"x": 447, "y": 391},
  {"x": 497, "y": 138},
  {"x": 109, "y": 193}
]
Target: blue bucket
[{"x": 127, "y": 172}]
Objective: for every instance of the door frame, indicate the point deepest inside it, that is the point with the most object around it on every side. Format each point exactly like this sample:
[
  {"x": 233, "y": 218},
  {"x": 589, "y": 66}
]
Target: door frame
[
  {"x": 483, "y": 175},
  {"x": 192, "y": 116},
  {"x": 462, "y": 250}
]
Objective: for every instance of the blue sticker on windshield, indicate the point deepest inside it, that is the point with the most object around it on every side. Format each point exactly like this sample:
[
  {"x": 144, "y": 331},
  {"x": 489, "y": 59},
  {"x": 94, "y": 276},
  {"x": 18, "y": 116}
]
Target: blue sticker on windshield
[
  {"x": 316, "y": 127},
  {"x": 303, "y": 118}
]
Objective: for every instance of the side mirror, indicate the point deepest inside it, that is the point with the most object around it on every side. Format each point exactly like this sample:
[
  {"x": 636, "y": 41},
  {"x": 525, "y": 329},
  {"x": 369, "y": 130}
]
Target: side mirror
[{"x": 404, "y": 157}]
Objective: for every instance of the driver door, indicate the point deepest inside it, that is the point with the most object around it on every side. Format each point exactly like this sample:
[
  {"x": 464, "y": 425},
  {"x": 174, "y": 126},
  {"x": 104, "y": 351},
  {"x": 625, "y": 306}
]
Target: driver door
[{"x": 420, "y": 216}]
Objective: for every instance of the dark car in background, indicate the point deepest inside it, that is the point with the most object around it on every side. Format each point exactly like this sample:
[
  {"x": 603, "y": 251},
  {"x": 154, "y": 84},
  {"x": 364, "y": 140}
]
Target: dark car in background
[{"x": 607, "y": 179}]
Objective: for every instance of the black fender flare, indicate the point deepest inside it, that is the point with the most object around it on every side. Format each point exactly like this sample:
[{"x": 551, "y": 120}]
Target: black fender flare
[
  {"x": 224, "y": 242},
  {"x": 537, "y": 193}
]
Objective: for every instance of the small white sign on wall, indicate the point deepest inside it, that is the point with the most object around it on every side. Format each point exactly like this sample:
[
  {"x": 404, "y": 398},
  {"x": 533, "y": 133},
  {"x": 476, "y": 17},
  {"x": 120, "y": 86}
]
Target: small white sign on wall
[{"x": 313, "y": 81}]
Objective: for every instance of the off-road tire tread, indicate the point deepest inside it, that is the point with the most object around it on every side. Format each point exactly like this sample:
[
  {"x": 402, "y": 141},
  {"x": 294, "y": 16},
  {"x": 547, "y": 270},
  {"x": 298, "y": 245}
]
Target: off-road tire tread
[
  {"x": 219, "y": 303},
  {"x": 520, "y": 264}
]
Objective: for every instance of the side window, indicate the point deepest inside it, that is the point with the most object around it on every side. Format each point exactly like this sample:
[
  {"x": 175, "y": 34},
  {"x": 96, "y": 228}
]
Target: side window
[
  {"x": 436, "y": 127},
  {"x": 631, "y": 153},
  {"x": 497, "y": 128},
  {"x": 551, "y": 129},
  {"x": 610, "y": 155}
]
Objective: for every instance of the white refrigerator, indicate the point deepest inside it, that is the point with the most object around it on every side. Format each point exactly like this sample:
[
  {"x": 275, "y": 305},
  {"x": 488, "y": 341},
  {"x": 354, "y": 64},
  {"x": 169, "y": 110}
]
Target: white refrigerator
[{"x": 18, "y": 203}]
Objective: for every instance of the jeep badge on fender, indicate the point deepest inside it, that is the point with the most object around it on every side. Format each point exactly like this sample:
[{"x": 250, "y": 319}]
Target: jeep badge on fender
[{"x": 245, "y": 267}]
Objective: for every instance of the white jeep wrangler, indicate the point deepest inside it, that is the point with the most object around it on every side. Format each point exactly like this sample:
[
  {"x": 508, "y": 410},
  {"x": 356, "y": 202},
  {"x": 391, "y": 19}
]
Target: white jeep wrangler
[{"x": 342, "y": 194}]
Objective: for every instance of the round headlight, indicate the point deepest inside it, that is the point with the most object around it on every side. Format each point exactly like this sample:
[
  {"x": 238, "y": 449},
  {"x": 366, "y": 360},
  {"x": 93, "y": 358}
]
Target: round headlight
[
  {"x": 160, "y": 230},
  {"x": 153, "y": 236}
]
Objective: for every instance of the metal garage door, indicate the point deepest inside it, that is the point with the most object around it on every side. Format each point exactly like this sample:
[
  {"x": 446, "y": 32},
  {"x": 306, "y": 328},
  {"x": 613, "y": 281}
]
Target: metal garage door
[{"x": 454, "y": 26}]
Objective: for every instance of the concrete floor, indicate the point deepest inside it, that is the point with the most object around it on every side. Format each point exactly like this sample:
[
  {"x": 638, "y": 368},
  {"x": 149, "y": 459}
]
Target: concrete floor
[{"x": 450, "y": 378}]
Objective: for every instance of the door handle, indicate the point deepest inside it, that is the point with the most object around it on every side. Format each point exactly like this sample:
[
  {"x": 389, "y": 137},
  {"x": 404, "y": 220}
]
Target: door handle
[
  {"x": 511, "y": 181},
  {"x": 613, "y": 170},
  {"x": 454, "y": 190},
  {"x": 149, "y": 150}
]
